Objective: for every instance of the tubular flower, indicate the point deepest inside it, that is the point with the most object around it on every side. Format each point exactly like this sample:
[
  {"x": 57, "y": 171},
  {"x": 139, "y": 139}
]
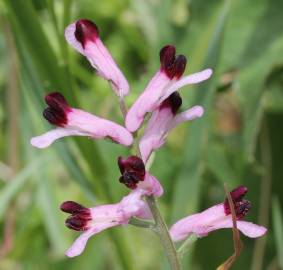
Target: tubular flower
[
  {"x": 166, "y": 81},
  {"x": 76, "y": 122},
  {"x": 135, "y": 177},
  {"x": 94, "y": 220},
  {"x": 83, "y": 35},
  {"x": 164, "y": 119},
  {"x": 218, "y": 217}
]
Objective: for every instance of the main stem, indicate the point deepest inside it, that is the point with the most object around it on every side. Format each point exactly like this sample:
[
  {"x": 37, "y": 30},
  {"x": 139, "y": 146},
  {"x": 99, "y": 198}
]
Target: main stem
[
  {"x": 160, "y": 226},
  {"x": 162, "y": 231}
]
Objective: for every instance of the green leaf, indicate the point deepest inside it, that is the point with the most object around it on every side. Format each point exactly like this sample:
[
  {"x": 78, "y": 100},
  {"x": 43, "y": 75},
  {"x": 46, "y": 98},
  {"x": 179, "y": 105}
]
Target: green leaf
[
  {"x": 251, "y": 85},
  {"x": 218, "y": 163},
  {"x": 50, "y": 210},
  {"x": 28, "y": 23},
  {"x": 278, "y": 229},
  {"x": 16, "y": 184}
]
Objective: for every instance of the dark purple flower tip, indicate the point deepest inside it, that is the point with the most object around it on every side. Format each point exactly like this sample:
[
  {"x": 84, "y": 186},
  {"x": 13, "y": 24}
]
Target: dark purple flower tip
[
  {"x": 74, "y": 208},
  {"x": 173, "y": 66},
  {"x": 132, "y": 170},
  {"x": 241, "y": 206},
  {"x": 167, "y": 56},
  {"x": 79, "y": 218},
  {"x": 56, "y": 112},
  {"x": 86, "y": 30},
  {"x": 174, "y": 102},
  {"x": 238, "y": 193},
  {"x": 77, "y": 222},
  {"x": 179, "y": 66}
]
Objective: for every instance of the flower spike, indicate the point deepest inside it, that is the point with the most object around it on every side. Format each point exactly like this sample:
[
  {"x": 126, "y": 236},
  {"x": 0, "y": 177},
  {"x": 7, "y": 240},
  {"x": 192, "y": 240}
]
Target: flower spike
[
  {"x": 164, "y": 119},
  {"x": 75, "y": 122},
  {"x": 83, "y": 35},
  {"x": 166, "y": 81},
  {"x": 218, "y": 217}
]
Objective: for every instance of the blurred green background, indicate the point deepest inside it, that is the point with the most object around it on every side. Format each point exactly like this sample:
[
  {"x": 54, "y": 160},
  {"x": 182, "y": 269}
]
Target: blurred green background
[{"x": 238, "y": 141}]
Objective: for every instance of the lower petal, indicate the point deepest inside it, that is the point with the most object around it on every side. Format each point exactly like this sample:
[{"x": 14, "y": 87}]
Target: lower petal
[
  {"x": 49, "y": 137},
  {"x": 79, "y": 245},
  {"x": 187, "y": 80},
  {"x": 188, "y": 115},
  {"x": 247, "y": 228}
]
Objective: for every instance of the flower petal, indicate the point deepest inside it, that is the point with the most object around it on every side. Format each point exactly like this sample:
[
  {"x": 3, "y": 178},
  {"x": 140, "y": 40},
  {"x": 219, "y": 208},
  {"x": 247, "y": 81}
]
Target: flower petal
[
  {"x": 84, "y": 37},
  {"x": 81, "y": 123},
  {"x": 44, "y": 140},
  {"x": 147, "y": 101},
  {"x": 150, "y": 186},
  {"x": 98, "y": 127},
  {"x": 187, "y": 80},
  {"x": 214, "y": 218},
  {"x": 79, "y": 245},
  {"x": 159, "y": 125},
  {"x": 247, "y": 228},
  {"x": 184, "y": 228},
  {"x": 105, "y": 213},
  {"x": 188, "y": 115},
  {"x": 133, "y": 205},
  {"x": 155, "y": 132}
]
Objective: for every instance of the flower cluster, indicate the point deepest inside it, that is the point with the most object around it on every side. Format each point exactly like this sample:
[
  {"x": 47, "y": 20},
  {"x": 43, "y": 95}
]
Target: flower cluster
[{"x": 162, "y": 101}]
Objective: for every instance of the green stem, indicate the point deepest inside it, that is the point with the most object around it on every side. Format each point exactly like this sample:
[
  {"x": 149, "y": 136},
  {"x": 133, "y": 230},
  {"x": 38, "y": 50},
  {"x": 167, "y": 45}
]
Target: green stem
[
  {"x": 162, "y": 231},
  {"x": 187, "y": 244},
  {"x": 142, "y": 223}
]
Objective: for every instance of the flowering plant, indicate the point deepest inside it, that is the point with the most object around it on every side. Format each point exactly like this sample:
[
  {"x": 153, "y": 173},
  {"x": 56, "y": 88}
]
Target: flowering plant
[{"x": 162, "y": 101}]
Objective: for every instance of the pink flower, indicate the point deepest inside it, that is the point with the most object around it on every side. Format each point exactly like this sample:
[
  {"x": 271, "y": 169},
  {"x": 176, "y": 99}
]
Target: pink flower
[
  {"x": 166, "y": 81},
  {"x": 75, "y": 122},
  {"x": 162, "y": 120},
  {"x": 135, "y": 177},
  {"x": 94, "y": 220},
  {"x": 218, "y": 217},
  {"x": 83, "y": 35}
]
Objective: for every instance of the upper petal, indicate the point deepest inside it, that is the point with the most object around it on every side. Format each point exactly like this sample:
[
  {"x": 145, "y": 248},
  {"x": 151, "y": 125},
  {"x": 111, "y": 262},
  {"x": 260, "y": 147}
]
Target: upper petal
[
  {"x": 84, "y": 37},
  {"x": 199, "y": 224},
  {"x": 147, "y": 101},
  {"x": 98, "y": 127},
  {"x": 81, "y": 123}
]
